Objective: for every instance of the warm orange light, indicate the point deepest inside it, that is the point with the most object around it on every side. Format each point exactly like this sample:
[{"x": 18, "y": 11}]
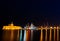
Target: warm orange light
[
  {"x": 11, "y": 27},
  {"x": 50, "y": 27}
]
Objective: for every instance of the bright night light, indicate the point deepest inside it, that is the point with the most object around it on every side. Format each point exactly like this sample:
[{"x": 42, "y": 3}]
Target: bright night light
[
  {"x": 11, "y": 27},
  {"x": 50, "y": 27},
  {"x": 32, "y": 27},
  {"x": 54, "y": 27}
]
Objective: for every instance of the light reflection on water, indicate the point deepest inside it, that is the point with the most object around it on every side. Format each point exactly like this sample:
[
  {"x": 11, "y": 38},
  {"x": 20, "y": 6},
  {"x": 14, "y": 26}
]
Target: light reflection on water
[{"x": 12, "y": 35}]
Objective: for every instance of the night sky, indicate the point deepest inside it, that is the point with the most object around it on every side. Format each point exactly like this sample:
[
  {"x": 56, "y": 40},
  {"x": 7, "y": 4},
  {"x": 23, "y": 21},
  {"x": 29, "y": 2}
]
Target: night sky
[{"x": 22, "y": 12}]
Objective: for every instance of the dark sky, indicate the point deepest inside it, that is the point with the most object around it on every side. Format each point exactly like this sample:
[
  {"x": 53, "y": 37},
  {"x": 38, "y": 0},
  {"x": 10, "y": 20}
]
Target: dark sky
[{"x": 22, "y": 12}]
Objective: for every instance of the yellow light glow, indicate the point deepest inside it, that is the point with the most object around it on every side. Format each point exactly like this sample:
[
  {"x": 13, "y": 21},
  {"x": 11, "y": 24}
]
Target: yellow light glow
[
  {"x": 50, "y": 27},
  {"x": 54, "y": 27},
  {"x": 11, "y": 27}
]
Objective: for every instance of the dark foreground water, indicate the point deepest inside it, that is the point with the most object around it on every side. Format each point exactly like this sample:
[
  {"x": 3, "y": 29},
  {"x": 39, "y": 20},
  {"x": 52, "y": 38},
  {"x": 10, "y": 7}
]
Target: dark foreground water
[{"x": 14, "y": 35}]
